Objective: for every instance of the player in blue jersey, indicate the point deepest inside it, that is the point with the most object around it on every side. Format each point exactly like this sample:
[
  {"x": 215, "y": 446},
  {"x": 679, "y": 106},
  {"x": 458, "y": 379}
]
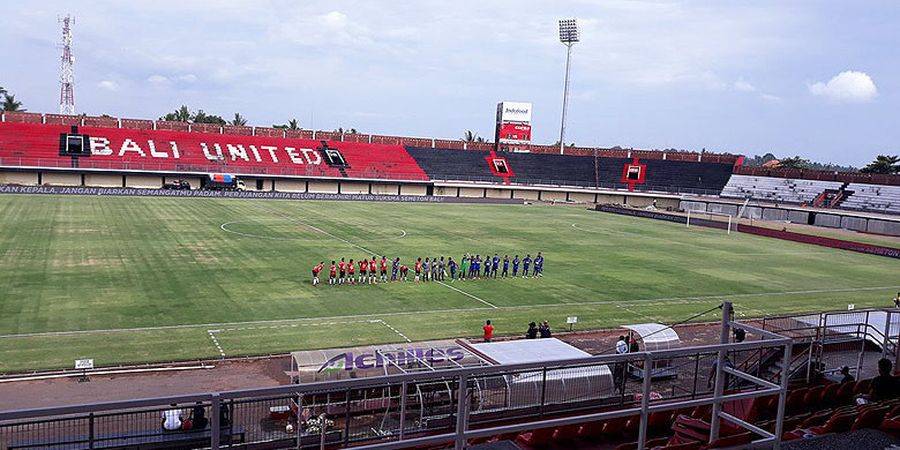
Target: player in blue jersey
[
  {"x": 526, "y": 262},
  {"x": 538, "y": 266},
  {"x": 495, "y": 265},
  {"x": 515, "y": 266}
]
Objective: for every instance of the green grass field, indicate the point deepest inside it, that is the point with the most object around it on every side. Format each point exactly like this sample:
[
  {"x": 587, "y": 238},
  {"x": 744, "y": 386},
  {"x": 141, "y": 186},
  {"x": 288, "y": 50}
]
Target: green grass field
[{"x": 126, "y": 280}]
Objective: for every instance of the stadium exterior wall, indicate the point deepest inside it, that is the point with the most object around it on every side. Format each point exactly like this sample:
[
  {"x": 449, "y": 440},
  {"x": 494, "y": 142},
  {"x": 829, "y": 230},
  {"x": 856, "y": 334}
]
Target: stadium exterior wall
[{"x": 848, "y": 220}]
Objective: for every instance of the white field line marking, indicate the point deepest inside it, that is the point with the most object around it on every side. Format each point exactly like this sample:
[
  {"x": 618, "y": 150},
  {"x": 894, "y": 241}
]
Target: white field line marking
[
  {"x": 468, "y": 295},
  {"x": 212, "y": 335},
  {"x": 611, "y": 302},
  {"x": 627, "y": 309},
  {"x": 395, "y": 330}
]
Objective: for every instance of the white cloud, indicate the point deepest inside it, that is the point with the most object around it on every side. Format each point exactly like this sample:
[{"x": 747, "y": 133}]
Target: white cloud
[
  {"x": 771, "y": 98},
  {"x": 744, "y": 86},
  {"x": 189, "y": 78},
  {"x": 158, "y": 80},
  {"x": 846, "y": 87},
  {"x": 108, "y": 85}
]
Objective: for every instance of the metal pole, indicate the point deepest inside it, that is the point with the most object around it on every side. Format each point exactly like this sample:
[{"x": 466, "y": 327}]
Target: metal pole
[
  {"x": 720, "y": 378},
  {"x": 562, "y": 126},
  {"x": 461, "y": 416},
  {"x": 782, "y": 395},
  {"x": 216, "y": 427},
  {"x": 645, "y": 402},
  {"x": 402, "y": 409}
]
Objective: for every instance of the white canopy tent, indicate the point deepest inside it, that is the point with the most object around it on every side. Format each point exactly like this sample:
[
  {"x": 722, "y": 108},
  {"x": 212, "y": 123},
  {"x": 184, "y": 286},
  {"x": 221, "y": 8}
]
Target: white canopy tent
[{"x": 653, "y": 337}]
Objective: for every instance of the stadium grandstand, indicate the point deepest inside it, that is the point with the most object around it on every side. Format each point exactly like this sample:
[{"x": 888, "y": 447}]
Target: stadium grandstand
[{"x": 189, "y": 283}]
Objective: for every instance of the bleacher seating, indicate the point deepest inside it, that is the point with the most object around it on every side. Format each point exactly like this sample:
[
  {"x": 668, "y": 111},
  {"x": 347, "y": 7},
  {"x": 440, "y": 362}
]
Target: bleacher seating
[
  {"x": 30, "y": 145},
  {"x": 566, "y": 170},
  {"x": 779, "y": 190},
  {"x": 871, "y": 197}
]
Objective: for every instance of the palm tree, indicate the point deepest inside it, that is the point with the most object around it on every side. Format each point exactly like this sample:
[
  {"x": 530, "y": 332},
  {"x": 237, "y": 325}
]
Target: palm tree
[
  {"x": 2, "y": 91},
  {"x": 11, "y": 105},
  {"x": 182, "y": 114},
  {"x": 291, "y": 125},
  {"x": 238, "y": 120},
  {"x": 470, "y": 136},
  {"x": 883, "y": 164}
]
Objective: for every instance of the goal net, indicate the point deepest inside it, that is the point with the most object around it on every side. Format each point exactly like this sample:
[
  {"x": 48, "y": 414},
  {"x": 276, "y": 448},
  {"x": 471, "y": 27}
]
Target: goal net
[{"x": 727, "y": 220}]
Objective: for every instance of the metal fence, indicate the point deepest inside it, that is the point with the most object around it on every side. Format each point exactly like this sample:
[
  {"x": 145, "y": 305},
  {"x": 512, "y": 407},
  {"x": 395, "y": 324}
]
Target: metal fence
[{"x": 423, "y": 408}]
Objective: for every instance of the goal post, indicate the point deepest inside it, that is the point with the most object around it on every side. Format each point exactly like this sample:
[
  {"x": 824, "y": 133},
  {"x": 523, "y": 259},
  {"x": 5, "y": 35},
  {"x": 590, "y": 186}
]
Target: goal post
[{"x": 713, "y": 217}]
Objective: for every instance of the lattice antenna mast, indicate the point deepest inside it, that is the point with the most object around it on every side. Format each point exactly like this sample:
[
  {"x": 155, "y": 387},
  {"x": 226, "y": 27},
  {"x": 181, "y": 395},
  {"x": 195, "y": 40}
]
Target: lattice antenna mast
[{"x": 67, "y": 68}]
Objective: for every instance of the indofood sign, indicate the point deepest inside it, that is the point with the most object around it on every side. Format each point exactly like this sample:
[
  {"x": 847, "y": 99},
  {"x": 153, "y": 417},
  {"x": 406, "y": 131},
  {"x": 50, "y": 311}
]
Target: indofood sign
[
  {"x": 514, "y": 112},
  {"x": 404, "y": 357}
]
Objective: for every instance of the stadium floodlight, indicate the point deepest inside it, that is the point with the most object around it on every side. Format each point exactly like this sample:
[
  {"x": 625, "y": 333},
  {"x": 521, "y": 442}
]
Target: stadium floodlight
[{"x": 568, "y": 35}]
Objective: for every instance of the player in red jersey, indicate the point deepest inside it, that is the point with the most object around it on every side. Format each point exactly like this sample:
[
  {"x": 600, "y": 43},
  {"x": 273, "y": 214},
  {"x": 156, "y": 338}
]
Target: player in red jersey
[
  {"x": 373, "y": 267},
  {"x": 316, "y": 270},
  {"x": 384, "y": 264},
  {"x": 333, "y": 271},
  {"x": 403, "y": 271},
  {"x": 418, "y": 268},
  {"x": 363, "y": 268},
  {"x": 351, "y": 271},
  {"x": 342, "y": 267}
]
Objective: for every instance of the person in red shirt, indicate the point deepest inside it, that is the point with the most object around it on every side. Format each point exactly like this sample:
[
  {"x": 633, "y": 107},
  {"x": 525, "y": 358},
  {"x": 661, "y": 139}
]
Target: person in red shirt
[
  {"x": 403, "y": 271},
  {"x": 342, "y": 266},
  {"x": 363, "y": 268},
  {"x": 351, "y": 272},
  {"x": 333, "y": 276},
  {"x": 418, "y": 268},
  {"x": 384, "y": 269},
  {"x": 315, "y": 271},
  {"x": 373, "y": 267},
  {"x": 488, "y": 331}
]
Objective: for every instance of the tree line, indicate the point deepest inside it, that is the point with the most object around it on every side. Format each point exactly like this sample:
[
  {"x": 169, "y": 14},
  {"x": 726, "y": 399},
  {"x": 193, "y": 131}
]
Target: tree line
[{"x": 882, "y": 164}]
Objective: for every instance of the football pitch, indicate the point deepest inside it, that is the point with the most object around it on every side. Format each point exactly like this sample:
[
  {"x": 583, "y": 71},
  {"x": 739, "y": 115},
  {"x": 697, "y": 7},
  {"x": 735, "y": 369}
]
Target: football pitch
[{"x": 133, "y": 280}]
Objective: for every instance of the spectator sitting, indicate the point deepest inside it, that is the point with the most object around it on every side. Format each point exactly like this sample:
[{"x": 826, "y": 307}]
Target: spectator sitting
[
  {"x": 544, "y": 330},
  {"x": 847, "y": 378},
  {"x": 532, "y": 331},
  {"x": 198, "y": 416},
  {"x": 171, "y": 418},
  {"x": 884, "y": 386}
]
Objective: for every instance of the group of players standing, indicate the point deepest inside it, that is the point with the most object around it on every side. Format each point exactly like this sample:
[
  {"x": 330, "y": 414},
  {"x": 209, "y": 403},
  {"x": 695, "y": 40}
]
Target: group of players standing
[{"x": 473, "y": 267}]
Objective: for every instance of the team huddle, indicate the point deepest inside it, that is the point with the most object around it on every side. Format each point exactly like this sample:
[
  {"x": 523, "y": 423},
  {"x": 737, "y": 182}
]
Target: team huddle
[{"x": 472, "y": 267}]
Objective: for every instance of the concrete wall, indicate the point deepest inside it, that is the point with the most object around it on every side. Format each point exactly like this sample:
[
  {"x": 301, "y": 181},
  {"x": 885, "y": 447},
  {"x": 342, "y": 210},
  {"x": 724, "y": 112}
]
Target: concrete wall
[
  {"x": 581, "y": 197},
  {"x": 664, "y": 203},
  {"x": 692, "y": 206},
  {"x": 413, "y": 189},
  {"x": 290, "y": 186},
  {"x": 23, "y": 178},
  {"x": 639, "y": 201},
  {"x": 143, "y": 181},
  {"x": 884, "y": 227},
  {"x": 323, "y": 187},
  {"x": 471, "y": 192},
  {"x": 775, "y": 214},
  {"x": 64, "y": 179},
  {"x": 753, "y": 212},
  {"x": 497, "y": 193},
  {"x": 798, "y": 216},
  {"x": 853, "y": 223},
  {"x": 102, "y": 180},
  {"x": 385, "y": 189},
  {"x": 525, "y": 194},
  {"x": 611, "y": 199},
  {"x": 443, "y": 191},
  {"x": 548, "y": 196},
  {"x": 354, "y": 187},
  {"x": 828, "y": 220}
]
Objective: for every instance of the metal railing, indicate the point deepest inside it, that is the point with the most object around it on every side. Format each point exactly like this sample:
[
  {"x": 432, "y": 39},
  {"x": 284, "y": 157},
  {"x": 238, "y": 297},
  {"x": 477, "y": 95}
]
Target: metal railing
[{"x": 421, "y": 408}]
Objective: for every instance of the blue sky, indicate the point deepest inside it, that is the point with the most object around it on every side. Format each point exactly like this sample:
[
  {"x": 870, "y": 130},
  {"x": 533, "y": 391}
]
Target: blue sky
[{"x": 814, "y": 78}]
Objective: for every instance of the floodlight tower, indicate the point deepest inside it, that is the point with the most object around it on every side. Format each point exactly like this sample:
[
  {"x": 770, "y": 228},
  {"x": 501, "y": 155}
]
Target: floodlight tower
[
  {"x": 568, "y": 35},
  {"x": 66, "y": 68}
]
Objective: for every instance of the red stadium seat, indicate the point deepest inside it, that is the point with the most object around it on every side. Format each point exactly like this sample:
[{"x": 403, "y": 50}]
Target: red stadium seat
[
  {"x": 731, "y": 441},
  {"x": 537, "y": 438},
  {"x": 845, "y": 393},
  {"x": 870, "y": 418}
]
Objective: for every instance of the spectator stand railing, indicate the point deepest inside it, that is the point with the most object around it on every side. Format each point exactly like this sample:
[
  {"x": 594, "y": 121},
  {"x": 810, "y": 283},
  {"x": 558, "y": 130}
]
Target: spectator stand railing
[{"x": 381, "y": 412}]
